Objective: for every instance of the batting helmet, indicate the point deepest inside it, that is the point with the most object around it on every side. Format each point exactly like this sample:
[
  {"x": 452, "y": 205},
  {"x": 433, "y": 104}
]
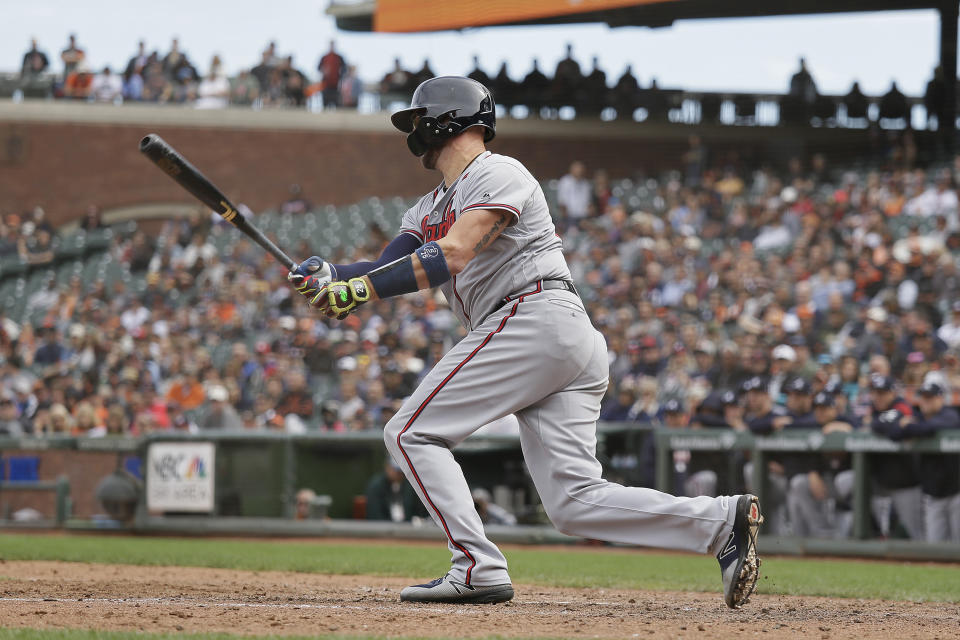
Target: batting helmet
[{"x": 447, "y": 106}]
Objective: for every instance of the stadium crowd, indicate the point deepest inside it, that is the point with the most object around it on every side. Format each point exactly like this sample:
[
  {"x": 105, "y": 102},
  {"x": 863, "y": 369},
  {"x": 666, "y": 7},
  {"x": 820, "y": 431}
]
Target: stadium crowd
[
  {"x": 277, "y": 81},
  {"x": 750, "y": 300}
]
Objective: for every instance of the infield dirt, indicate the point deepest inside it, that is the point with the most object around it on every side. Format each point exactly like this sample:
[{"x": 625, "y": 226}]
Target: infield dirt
[{"x": 58, "y": 595}]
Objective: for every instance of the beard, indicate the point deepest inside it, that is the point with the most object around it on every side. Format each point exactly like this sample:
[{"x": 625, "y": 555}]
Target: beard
[{"x": 429, "y": 159}]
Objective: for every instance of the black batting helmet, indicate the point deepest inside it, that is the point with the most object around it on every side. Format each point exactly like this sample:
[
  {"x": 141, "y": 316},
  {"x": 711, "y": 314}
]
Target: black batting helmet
[{"x": 447, "y": 106}]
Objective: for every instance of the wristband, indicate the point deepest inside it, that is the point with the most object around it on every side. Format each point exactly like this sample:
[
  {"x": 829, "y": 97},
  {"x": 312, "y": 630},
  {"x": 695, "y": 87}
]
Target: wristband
[
  {"x": 394, "y": 279},
  {"x": 360, "y": 292},
  {"x": 434, "y": 263}
]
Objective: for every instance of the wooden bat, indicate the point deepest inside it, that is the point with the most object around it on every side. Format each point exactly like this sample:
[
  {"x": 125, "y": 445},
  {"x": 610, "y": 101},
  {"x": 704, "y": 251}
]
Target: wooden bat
[{"x": 190, "y": 178}]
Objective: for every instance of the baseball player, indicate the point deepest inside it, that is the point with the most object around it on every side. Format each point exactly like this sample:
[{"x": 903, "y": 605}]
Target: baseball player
[{"x": 484, "y": 235}]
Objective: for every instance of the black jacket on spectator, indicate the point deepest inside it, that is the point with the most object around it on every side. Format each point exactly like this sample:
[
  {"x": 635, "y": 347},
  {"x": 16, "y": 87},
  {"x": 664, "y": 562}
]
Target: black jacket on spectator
[
  {"x": 892, "y": 470},
  {"x": 797, "y": 463},
  {"x": 763, "y": 425},
  {"x": 939, "y": 473}
]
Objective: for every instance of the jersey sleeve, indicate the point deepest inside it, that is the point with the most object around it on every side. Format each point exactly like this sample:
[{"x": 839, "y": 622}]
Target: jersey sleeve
[
  {"x": 500, "y": 186},
  {"x": 410, "y": 223}
]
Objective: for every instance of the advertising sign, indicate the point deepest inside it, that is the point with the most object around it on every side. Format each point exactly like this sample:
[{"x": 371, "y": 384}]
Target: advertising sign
[{"x": 180, "y": 476}]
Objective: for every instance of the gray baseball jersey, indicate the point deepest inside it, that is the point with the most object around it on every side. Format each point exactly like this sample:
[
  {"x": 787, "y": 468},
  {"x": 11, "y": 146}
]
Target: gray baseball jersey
[
  {"x": 525, "y": 252},
  {"x": 537, "y": 357}
]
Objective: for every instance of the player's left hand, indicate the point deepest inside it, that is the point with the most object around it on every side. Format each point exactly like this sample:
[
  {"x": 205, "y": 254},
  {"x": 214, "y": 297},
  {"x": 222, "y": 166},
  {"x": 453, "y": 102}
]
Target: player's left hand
[{"x": 342, "y": 297}]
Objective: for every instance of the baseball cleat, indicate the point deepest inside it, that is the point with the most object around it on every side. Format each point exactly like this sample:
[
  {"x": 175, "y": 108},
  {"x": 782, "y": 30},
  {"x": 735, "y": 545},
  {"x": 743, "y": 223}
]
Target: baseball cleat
[
  {"x": 739, "y": 564},
  {"x": 446, "y": 589}
]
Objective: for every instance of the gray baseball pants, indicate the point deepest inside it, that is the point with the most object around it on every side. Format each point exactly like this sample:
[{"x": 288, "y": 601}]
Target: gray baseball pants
[
  {"x": 540, "y": 359},
  {"x": 942, "y": 518}
]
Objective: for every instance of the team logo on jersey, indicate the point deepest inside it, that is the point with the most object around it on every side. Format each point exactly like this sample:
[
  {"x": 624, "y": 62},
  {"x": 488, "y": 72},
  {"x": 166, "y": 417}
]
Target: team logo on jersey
[{"x": 439, "y": 229}]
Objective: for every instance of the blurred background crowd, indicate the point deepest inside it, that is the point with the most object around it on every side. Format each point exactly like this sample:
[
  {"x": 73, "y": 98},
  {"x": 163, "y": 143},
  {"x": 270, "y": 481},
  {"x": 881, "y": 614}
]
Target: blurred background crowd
[
  {"x": 277, "y": 80},
  {"x": 730, "y": 297}
]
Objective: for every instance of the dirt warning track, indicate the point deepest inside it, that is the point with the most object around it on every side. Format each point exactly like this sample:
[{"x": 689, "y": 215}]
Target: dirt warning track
[{"x": 57, "y": 595}]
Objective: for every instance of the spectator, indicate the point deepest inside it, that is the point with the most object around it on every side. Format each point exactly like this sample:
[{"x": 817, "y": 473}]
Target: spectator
[
  {"x": 424, "y": 74},
  {"x": 138, "y": 60},
  {"x": 297, "y": 203},
  {"x": 505, "y": 89},
  {"x": 35, "y": 62},
  {"x": 350, "y": 88},
  {"x": 133, "y": 85},
  {"x": 219, "y": 413},
  {"x": 934, "y": 98},
  {"x": 692, "y": 472},
  {"x": 214, "y": 90},
  {"x": 10, "y": 425},
  {"x": 106, "y": 87},
  {"x": 895, "y": 476},
  {"x": 763, "y": 418},
  {"x": 397, "y": 81},
  {"x": 244, "y": 89},
  {"x": 294, "y": 83},
  {"x": 296, "y": 403},
  {"x": 330, "y": 416},
  {"x": 390, "y": 497},
  {"x": 694, "y": 160},
  {"x": 263, "y": 70},
  {"x": 305, "y": 498},
  {"x": 574, "y": 194},
  {"x": 173, "y": 61},
  {"x": 72, "y": 56},
  {"x": 478, "y": 74},
  {"x": 654, "y": 100},
  {"x": 893, "y": 105},
  {"x": 489, "y": 511},
  {"x": 78, "y": 82},
  {"x": 815, "y": 494},
  {"x": 799, "y": 102},
  {"x": 626, "y": 94},
  {"x": 567, "y": 81},
  {"x": 332, "y": 68},
  {"x": 802, "y": 84},
  {"x": 187, "y": 391},
  {"x": 594, "y": 91},
  {"x": 617, "y": 409},
  {"x": 856, "y": 103},
  {"x": 938, "y": 473},
  {"x": 536, "y": 88}
]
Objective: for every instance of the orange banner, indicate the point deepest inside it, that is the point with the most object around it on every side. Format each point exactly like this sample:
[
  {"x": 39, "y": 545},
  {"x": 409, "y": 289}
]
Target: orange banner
[{"x": 437, "y": 15}]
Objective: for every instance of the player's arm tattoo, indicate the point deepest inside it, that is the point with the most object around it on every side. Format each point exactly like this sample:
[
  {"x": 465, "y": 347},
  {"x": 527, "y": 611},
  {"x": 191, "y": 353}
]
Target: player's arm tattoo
[{"x": 498, "y": 225}]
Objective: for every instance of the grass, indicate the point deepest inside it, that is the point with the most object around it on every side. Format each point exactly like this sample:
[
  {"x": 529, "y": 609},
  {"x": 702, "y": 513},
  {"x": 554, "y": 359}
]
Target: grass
[{"x": 567, "y": 567}]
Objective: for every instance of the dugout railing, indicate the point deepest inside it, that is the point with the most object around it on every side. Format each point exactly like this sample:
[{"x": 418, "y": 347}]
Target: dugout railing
[
  {"x": 259, "y": 473},
  {"x": 858, "y": 445}
]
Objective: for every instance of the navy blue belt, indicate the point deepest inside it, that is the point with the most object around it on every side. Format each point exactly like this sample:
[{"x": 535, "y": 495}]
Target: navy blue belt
[{"x": 542, "y": 285}]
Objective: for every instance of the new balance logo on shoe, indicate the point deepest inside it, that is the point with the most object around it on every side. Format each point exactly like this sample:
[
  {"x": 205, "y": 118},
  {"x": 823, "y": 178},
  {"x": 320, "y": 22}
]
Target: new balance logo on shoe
[{"x": 730, "y": 548}]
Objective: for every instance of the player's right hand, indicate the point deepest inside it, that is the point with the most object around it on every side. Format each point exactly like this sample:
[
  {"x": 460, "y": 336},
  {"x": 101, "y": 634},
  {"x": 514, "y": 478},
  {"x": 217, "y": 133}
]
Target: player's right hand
[{"x": 311, "y": 277}]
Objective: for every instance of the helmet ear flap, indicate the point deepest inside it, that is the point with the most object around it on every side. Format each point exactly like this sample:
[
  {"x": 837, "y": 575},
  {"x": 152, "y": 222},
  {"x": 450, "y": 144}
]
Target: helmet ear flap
[{"x": 416, "y": 143}]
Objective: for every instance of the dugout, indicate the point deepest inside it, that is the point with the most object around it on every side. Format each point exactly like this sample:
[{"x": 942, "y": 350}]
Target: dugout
[{"x": 254, "y": 478}]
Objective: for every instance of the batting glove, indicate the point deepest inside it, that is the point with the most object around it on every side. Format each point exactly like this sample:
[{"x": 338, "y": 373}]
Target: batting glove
[
  {"x": 310, "y": 276},
  {"x": 344, "y": 297}
]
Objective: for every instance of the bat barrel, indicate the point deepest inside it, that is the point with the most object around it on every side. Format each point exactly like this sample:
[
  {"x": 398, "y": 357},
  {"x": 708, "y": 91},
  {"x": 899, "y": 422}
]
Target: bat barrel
[{"x": 189, "y": 177}]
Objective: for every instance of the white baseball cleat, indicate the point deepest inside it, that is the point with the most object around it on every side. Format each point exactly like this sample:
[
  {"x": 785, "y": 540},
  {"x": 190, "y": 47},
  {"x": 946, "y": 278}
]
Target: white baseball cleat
[
  {"x": 446, "y": 589},
  {"x": 739, "y": 564}
]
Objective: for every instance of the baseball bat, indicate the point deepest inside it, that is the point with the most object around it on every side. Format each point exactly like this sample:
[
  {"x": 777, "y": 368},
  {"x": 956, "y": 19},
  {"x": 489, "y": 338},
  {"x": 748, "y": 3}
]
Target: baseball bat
[{"x": 160, "y": 153}]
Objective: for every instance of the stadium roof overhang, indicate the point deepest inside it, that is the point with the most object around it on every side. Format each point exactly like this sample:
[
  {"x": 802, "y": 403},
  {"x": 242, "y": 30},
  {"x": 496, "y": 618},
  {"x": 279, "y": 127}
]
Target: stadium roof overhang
[{"x": 442, "y": 15}]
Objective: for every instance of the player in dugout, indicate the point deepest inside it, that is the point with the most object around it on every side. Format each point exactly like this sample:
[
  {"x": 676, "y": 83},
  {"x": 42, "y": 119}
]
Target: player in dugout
[{"x": 485, "y": 236}]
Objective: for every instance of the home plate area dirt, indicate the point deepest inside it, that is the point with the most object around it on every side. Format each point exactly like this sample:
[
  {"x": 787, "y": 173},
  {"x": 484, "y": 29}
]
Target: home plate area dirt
[{"x": 57, "y": 595}]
